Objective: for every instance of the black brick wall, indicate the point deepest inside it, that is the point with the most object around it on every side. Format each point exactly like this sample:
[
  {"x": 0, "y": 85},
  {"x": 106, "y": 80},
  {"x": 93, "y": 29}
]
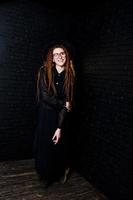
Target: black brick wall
[
  {"x": 106, "y": 139},
  {"x": 26, "y": 27},
  {"x": 102, "y": 39}
]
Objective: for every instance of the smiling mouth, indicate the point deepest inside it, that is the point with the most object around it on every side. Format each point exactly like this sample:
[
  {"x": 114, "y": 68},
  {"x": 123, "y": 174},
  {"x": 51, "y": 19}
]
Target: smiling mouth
[{"x": 61, "y": 60}]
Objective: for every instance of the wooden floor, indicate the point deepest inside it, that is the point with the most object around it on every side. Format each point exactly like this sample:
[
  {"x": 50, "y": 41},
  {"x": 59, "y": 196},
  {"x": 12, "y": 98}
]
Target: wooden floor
[{"x": 18, "y": 181}]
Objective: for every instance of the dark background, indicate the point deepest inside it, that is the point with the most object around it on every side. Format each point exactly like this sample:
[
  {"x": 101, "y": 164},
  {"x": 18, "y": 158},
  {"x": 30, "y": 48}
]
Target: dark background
[{"x": 101, "y": 38}]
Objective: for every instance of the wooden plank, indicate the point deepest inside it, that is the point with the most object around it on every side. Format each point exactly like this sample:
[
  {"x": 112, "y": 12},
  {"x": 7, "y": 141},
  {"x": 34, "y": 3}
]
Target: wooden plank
[{"x": 19, "y": 181}]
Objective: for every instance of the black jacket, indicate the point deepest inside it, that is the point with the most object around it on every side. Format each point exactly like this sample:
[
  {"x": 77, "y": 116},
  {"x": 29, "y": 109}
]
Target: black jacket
[{"x": 51, "y": 101}]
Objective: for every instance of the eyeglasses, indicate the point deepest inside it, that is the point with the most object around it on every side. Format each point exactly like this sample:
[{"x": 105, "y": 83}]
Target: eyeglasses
[{"x": 62, "y": 54}]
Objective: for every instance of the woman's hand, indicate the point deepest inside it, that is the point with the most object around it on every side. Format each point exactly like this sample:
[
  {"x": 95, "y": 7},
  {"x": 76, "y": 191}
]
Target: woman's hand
[
  {"x": 68, "y": 106},
  {"x": 57, "y": 136}
]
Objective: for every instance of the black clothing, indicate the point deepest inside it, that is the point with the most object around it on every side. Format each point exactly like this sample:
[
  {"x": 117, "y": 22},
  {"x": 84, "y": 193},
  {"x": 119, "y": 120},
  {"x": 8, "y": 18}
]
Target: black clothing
[
  {"x": 53, "y": 102},
  {"x": 50, "y": 159}
]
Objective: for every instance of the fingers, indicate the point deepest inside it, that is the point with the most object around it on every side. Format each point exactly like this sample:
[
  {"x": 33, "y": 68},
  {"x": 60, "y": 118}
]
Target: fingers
[
  {"x": 68, "y": 106},
  {"x": 55, "y": 139},
  {"x": 56, "y": 136}
]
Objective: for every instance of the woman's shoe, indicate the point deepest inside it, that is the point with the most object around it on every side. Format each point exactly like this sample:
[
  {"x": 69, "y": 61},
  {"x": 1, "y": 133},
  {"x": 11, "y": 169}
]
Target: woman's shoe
[
  {"x": 66, "y": 175},
  {"x": 47, "y": 184}
]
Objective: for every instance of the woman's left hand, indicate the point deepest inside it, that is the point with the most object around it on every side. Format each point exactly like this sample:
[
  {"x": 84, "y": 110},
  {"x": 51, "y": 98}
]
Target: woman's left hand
[
  {"x": 68, "y": 106},
  {"x": 57, "y": 136}
]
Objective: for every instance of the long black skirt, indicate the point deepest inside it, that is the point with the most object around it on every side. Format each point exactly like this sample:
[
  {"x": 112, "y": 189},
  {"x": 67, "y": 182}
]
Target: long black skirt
[{"x": 50, "y": 159}]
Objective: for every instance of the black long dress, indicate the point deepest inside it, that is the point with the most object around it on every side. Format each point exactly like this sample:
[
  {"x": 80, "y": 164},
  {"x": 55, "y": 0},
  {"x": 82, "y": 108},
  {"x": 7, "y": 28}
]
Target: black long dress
[{"x": 50, "y": 159}]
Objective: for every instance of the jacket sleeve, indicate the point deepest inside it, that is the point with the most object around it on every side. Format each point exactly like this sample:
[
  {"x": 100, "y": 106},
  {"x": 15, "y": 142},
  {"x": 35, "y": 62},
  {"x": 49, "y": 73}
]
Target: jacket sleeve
[
  {"x": 63, "y": 114},
  {"x": 52, "y": 100},
  {"x": 61, "y": 118}
]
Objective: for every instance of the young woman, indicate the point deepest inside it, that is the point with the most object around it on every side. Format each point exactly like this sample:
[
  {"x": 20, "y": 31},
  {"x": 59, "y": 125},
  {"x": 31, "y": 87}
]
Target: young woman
[{"x": 55, "y": 88}]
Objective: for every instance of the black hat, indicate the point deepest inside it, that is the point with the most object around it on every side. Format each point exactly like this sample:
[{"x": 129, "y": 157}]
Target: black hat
[{"x": 52, "y": 43}]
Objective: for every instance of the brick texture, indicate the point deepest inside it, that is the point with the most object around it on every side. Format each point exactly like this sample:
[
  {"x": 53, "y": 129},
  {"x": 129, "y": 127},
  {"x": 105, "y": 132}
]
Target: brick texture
[
  {"x": 26, "y": 29},
  {"x": 106, "y": 139}
]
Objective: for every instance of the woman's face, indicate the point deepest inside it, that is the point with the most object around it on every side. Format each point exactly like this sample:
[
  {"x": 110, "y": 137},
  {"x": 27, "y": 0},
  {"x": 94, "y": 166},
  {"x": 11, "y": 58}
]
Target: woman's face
[{"x": 59, "y": 57}]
